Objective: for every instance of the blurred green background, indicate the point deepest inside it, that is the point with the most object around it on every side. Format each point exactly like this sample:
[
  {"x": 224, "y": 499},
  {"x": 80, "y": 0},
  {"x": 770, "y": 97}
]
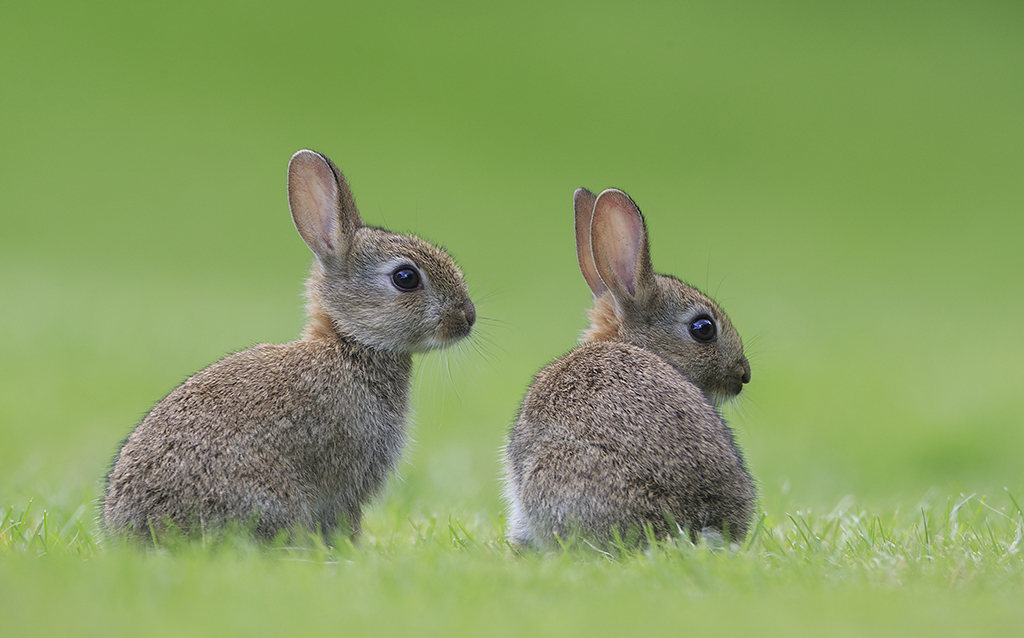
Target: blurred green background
[{"x": 847, "y": 179}]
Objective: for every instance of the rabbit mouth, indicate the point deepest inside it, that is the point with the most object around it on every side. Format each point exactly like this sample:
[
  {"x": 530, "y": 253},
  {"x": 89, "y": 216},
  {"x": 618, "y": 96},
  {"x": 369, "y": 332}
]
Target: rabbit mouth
[
  {"x": 724, "y": 393},
  {"x": 447, "y": 335},
  {"x": 733, "y": 384},
  {"x": 735, "y": 387},
  {"x": 439, "y": 342}
]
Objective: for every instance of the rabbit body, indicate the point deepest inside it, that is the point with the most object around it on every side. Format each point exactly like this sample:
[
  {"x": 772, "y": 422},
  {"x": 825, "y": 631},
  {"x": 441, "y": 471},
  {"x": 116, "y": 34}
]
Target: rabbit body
[
  {"x": 295, "y": 434},
  {"x": 621, "y": 433},
  {"x": 300, "y": 434}
]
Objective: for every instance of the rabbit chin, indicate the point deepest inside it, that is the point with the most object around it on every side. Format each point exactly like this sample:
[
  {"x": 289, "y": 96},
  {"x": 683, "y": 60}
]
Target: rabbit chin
[
  {"x": 435, "y": 342},
  {"x": 720, "y": 396}
]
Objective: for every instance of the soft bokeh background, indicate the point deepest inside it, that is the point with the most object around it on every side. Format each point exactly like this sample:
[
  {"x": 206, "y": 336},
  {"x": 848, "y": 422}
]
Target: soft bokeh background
[{"x": 846, "y": 179}]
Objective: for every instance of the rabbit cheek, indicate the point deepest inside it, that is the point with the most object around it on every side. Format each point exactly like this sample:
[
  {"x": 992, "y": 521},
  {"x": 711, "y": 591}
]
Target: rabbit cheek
[{"x": 410, "y": 321}]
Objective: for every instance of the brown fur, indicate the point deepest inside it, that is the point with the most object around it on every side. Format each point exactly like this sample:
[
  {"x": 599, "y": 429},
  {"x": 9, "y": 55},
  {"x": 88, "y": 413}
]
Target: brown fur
[
  {"x": 300, "y": 434},
  {"x": 620, "y": 434}
]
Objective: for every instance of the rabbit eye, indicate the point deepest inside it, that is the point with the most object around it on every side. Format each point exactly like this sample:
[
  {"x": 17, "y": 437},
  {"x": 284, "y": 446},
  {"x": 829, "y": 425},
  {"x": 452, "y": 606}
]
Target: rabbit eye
[
  {"x": 406, "y": 278},
  {"x": 702, "y": 329}
]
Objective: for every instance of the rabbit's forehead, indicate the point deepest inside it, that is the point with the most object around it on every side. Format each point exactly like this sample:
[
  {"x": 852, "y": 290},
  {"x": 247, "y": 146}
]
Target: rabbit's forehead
[
  {"x": 689, "y": 300},
  {"x": 383, "y": 247}
]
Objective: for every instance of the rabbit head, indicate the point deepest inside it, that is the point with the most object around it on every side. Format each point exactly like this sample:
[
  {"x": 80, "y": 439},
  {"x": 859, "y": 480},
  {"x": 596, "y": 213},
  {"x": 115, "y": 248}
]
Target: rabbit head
[
  {"x": 388, "y": 291},
  {"x": 633, "y": 304}
]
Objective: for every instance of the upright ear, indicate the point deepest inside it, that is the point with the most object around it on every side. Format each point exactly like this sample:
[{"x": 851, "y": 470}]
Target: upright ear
[
  {"x": 619, "y": 241},
  {"x": 322, "y": 206},
  {"x": 583, "y": 203}
]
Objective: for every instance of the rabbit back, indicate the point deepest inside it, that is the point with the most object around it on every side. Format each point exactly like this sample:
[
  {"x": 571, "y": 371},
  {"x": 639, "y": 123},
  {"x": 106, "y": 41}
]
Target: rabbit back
[
  {"x": 611, "y": 436},
  {"x": 276, "y": 436}
]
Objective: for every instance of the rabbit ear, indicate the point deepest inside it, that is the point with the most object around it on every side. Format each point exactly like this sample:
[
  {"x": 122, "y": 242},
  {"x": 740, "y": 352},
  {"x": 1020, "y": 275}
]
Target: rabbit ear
[
  {"x": 322, "y": 206},
  {"x": 583, "y": 203},
  {"x": 619, "y": 241}
]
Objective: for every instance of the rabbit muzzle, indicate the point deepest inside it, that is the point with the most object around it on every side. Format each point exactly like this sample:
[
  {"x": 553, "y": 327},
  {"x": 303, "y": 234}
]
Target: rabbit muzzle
[
  {"x": 456, "y": 323},
  {"x": 469, "y": 311},
  {"x": 739, "y": 375},
  {"x": 743, "y": 367}
]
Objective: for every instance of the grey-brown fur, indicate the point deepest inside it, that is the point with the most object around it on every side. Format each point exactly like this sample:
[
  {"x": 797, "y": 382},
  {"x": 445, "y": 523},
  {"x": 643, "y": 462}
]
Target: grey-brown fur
[
  {"x": 622, "y": 433},
  {"x": 300, "y": 434}
]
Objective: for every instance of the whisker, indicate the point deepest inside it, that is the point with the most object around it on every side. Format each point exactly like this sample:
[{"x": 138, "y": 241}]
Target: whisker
[
  {"x": 484, "y": 343},
  {"x": 493, "y": 322},
  {"x": 719, "y": 287},
  {"x": 484, "y": 297},
  {"x": 485, "y": 293}
]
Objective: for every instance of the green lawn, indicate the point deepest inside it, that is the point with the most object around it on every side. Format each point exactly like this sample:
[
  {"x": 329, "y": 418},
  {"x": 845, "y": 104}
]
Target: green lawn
[
  {"x": 951, "y": 568},
  {"x": 845, "y": 180}
]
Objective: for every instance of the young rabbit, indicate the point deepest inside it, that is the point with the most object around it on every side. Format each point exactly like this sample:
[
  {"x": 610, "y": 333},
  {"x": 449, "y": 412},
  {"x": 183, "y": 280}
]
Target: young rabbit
[
  {"x": 300, "y": 434},
  {"x": 622, "y": 432}
]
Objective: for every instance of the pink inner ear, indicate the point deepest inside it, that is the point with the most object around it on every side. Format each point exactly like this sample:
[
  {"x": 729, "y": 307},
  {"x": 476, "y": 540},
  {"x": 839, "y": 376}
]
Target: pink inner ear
[
  {"x": 323, "y": 192},
  {"x": 313, "y": 196},
  {"x": 618, "y": 234}
]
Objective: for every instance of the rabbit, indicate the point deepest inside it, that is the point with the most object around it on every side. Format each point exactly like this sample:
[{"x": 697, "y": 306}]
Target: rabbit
[
  {"x": 623, "y": 433},
  {"x": 300, "y": 435}
]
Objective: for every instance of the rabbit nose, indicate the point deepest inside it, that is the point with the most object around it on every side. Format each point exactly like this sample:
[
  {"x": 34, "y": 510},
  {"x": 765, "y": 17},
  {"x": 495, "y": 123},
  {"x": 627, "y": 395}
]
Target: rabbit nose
[
  {"x": 744, "y": 367},
  {"x": 469, "y": 310}
]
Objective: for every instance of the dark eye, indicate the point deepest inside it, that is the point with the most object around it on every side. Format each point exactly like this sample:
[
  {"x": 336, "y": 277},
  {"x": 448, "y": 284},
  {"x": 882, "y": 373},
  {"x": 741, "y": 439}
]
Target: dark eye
[
  {"x": 406, "y": 278},
  {"x": 702, "y": 329}
]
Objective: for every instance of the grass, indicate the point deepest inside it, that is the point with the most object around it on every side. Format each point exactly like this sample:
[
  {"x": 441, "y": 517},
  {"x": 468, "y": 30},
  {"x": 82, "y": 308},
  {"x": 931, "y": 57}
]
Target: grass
[
  {"x": 964, "y": 541},
  {"x": 948, "y": 567}
]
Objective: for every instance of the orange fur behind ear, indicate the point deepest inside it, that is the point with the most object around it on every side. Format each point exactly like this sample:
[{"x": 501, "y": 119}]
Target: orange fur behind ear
[
  {"x": 604, "y": 323},
  {"x": 320, "y": 326}
]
